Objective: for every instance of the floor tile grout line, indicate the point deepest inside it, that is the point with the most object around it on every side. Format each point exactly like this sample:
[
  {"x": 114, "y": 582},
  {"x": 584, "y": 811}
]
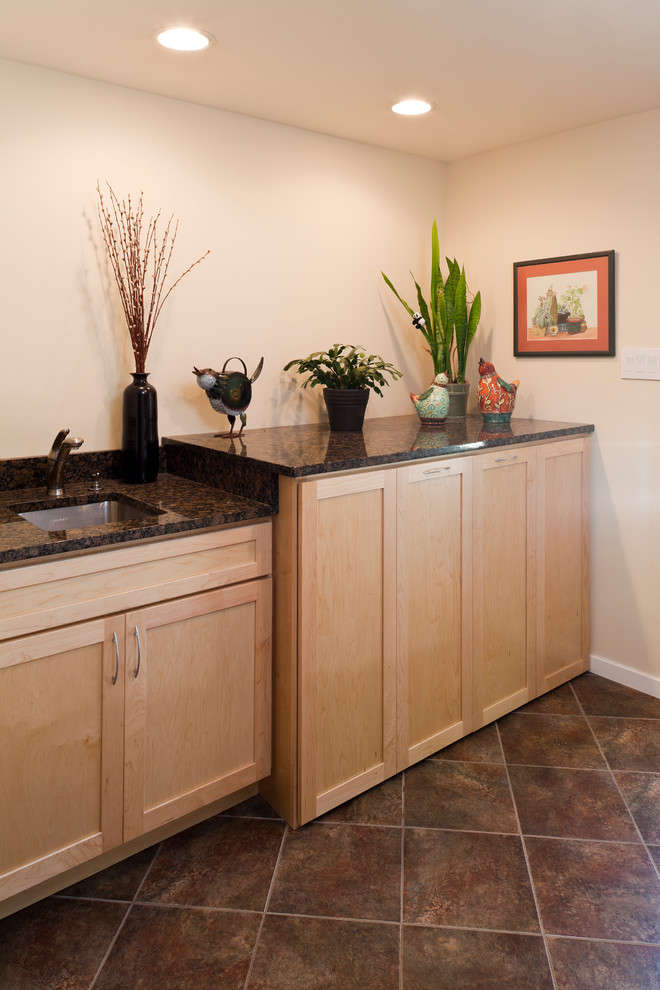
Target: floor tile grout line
[
  {"x": 113, "y": 942},
  {"x": 549, "y": 935},
  {"x": 436, "y": 758},
  {"x": 477, "y": 928},
  {"x": 462, "y": 831},
  {"x": 125, "y": 918},
  {"x": 203, "y": 908},
  {"x": 582, "y": 838},
  {"x": 315, "y": 823},
  {"x": 389, "y": 923},
  {"x": 558, "y": 766},
  {"x": 264, "y": 913},
  {"x": 655, "y": 865},
  {"x": 424, "y": 924},
  {"x": 606, "y": 769},
  {"x": 587, "y": 715},
  {"x": 606, "y": 941},
  {"x": 527, "y": 864},
  {"x": 93, "y": 900}
]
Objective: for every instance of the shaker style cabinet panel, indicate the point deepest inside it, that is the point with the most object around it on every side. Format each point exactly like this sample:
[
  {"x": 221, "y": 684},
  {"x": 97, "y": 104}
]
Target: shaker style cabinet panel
[
  {"x": 562, "y": 601},
  {"x": 503, "y": 554},
  {"x": 197, "y": 702},
  {"x": 347, "y": 644},
  {"x": 61, "y": 738},
  {"x": 434, "y": 531}
]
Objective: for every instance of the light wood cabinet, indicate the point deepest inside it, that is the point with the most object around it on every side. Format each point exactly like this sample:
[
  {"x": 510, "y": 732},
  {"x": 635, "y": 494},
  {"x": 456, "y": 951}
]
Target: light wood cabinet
[
  {"x": 434, "y": 524},
  {"x": 115, "y": 726},
  {"x": 197, "y": 702},
  {"x": 562, "y": 562},
  {"x": 61, "y": 740},
  {"x": 414, "y": 604},
  {"x": 347, "y": 572},
  {"x": 504, "y": 581}
]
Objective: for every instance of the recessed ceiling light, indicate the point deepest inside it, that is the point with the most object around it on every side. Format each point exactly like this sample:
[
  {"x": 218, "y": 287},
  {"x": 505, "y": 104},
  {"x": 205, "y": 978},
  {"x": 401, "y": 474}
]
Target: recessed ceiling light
[
  {"x": 412, "y": 108},
  {"x": 182, "y": 39}
]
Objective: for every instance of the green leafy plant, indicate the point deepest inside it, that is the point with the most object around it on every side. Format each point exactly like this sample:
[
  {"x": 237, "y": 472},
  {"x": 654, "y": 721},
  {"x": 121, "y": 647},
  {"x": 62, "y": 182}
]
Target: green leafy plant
[
  {"x": 572, "y": 299},
  {"x": 448, "y": 321},
  {"x": 344, "y": 366}
]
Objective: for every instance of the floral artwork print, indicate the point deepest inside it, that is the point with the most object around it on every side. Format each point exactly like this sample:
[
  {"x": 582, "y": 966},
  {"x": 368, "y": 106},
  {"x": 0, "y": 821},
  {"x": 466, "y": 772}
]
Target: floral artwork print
[{"x": 564, "y": 307}]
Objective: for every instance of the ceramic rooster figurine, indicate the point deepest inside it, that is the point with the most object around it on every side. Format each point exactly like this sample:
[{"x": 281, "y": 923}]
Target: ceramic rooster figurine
[
  {"x": 496, "y": 397},
  {"x": 229, "y": 392},
  {"x": 432, "y": 405}
]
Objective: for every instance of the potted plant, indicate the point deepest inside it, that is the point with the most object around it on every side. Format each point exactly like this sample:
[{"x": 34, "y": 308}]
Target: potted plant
[
  {"x": 572, "y": 302},
  {"x": 448, "y": 323},
  {"x": 347, "y": 375}
]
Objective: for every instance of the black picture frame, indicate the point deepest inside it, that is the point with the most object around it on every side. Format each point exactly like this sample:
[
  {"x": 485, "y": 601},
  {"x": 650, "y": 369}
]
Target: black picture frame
[{"x": 564, "y": 307}]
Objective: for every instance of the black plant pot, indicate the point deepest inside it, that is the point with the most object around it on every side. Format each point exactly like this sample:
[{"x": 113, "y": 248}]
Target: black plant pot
[
  {"x": 139, "y": 442},
  {"x": 346, "y": 407}
]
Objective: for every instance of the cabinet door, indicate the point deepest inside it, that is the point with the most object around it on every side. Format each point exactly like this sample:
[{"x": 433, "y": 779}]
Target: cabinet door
[
  {"x": 347, "y": 637},
  {"x": 197, "y": 702},
  {"x": 434, "y": 613},
  {"x": 504, "y": 581},
  {"x": 61, "y": 740},
  {"x": 563, "y": 562}
]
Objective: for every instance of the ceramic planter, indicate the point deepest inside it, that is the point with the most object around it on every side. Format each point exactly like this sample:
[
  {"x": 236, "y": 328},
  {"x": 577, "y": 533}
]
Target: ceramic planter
[
  {"x": 458, "y": 396},
  {"x": 346, "y": 407}
]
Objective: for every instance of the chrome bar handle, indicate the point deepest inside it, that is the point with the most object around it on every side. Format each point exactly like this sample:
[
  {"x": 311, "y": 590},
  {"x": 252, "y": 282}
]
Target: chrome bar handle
[
  {"x": 501, "y": 460},
  {"x": 116, "y": 673},
  {"x": 137, "y": 667},
  {"x": 437, "y": 470}
]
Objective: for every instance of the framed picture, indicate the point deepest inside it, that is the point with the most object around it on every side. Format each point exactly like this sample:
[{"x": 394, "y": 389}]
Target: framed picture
[{"x": 564, "y": 307}]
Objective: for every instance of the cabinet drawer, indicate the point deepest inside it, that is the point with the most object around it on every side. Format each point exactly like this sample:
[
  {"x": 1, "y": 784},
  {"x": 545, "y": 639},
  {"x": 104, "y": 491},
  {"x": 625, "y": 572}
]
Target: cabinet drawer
[{"x": 57, "y": 593}]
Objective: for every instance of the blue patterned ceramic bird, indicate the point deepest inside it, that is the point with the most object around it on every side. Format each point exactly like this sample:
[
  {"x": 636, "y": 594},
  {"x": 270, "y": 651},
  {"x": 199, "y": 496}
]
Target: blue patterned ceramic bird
[
  {"x": 229, "y": 392},
  {"x": 432, "y": 405}
]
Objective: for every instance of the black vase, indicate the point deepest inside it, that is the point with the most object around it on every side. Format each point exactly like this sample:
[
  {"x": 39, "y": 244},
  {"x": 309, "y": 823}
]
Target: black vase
[{"x": 139, "y": 442}]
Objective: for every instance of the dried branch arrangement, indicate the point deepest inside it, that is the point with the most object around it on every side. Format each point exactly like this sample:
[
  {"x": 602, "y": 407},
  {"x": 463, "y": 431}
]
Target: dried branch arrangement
[{"x": 140, "y": 258}]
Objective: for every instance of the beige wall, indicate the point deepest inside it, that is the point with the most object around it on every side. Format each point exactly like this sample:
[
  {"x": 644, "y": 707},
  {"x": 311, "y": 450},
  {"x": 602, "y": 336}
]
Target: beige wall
[
  {"x": 299, "y": 226},
  {"x": 592, "y": 189}
]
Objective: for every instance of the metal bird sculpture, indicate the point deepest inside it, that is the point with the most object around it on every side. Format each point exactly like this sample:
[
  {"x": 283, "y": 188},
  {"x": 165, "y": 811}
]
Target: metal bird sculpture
[{"x": 229, "y": 392}]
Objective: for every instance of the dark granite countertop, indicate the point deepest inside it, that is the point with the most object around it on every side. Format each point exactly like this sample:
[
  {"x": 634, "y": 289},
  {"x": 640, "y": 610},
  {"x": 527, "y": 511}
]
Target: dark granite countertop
[
  {"x": 299, "y": 451},
  {"x": 209, "y": 481},
  {"x": 185, "y": 506}
]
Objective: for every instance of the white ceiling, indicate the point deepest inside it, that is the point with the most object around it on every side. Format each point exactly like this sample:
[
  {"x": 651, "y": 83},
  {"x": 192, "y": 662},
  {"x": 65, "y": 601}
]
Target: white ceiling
[{"x": 499, "y": 72}]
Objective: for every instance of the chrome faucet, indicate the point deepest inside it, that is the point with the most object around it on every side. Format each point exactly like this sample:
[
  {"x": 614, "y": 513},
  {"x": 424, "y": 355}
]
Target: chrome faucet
[{"x": 58, "y": 454}]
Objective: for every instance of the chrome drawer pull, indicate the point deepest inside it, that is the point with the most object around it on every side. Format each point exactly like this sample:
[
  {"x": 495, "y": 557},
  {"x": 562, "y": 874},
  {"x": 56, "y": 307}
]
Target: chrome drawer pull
[
  {"x": 437, "y": 470},
  {"x": 116, "y": 673},
  {"x": 501, "y": 460},
  {"x": 137, "y": 668}
]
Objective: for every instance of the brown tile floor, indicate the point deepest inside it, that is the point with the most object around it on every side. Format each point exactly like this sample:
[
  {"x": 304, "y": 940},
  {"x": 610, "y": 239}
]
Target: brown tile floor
[{"x": 521, "y": 857}]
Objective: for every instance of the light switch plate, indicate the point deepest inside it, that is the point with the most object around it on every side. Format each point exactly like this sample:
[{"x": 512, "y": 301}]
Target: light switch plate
[{"x": 640, "y": 362}]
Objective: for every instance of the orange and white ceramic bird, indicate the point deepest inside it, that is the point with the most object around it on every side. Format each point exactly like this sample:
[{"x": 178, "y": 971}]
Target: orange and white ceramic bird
[{"x": 496, "y": 397}]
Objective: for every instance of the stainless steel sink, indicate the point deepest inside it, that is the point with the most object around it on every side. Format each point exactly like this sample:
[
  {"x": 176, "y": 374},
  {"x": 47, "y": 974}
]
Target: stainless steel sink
[{"x": 111, "y": 510}]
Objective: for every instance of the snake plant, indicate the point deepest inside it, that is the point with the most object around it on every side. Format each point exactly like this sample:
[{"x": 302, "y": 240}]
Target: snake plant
[{"x": 445, "y": 323}]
